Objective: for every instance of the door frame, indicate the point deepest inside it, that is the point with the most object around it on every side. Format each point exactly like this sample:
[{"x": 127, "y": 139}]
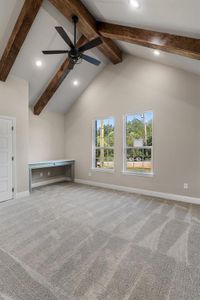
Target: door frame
[{"x": 14, "y": 174}]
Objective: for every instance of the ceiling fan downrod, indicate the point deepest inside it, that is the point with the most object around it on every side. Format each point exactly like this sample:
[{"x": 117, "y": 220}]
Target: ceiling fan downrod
[{"x": 75, "y": 21}]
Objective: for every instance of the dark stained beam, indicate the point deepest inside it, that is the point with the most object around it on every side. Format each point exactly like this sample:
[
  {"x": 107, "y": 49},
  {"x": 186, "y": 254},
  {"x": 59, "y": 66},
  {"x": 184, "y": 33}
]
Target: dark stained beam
[
  {"x": 55, "y": 82},
  {"x": 52, "y": 87},
  {"x": 181, "y": 45},
  {"x": 87, "y": 26},
  {"x": 24, "y": 22}
]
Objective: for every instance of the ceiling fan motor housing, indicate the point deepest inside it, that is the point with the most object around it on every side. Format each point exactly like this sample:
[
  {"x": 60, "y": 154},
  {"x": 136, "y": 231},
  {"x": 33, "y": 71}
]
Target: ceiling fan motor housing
[{"x": 74, "y": 55}]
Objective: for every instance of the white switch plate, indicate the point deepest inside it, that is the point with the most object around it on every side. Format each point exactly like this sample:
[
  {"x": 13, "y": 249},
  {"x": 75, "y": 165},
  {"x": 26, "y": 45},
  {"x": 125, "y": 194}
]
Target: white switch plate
[
  {"x": 41, "y": 174},
  {"x": 90, "y": 174},
  {"x": 185, "y": 186}
]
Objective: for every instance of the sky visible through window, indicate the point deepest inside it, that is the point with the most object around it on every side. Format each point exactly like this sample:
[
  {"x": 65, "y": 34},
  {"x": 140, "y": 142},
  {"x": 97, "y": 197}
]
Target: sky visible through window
[
  {"x": 109, "y": 121},
  {"x": 147, "y": 115}
]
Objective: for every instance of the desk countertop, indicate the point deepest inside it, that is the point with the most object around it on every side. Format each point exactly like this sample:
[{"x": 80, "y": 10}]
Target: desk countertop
[{"x": 50, "y": 163}]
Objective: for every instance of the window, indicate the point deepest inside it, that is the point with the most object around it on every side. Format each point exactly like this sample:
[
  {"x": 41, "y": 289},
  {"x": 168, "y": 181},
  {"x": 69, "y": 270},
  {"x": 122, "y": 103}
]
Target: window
[
  {"x": 103, "y": 144},
  {"x": 138, "y": 143}
]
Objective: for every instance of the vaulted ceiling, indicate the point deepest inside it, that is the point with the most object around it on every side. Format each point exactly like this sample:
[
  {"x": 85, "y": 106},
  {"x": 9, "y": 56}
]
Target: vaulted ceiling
[
  {"x": 180, "y": 17},
  {"x": 176, "y": 17}
]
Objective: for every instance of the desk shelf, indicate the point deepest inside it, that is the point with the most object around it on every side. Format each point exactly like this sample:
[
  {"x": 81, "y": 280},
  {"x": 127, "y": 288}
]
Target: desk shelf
[{"x": 62, "y": 170}]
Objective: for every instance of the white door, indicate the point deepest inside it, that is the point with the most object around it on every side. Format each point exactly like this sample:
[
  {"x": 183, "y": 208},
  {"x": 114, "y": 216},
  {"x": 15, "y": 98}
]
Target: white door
[{"x": 6, "y": 163}]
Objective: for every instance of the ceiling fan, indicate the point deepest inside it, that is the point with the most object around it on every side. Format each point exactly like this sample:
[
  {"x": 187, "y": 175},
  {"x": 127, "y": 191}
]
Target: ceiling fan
[{"x": 76, "y": 55}]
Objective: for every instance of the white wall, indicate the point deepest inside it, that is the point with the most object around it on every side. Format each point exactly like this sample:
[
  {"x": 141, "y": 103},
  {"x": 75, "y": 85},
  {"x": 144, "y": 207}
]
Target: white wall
[
  {"x": 14, "y": 103},
  {"x": 46, "y": 136},
  {"x": 137, "y": 85}
]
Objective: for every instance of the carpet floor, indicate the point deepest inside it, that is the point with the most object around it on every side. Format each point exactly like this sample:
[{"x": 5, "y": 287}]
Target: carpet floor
[{"x": 70, "y": 241}]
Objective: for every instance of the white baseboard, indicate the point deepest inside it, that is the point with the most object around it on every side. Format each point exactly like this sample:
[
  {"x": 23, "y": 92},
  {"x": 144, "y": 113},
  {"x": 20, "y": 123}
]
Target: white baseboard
[
  {"x": 167, "y": 196},
  {"x": 22, "y": 194},
  {"x": 50, "y": 181}
]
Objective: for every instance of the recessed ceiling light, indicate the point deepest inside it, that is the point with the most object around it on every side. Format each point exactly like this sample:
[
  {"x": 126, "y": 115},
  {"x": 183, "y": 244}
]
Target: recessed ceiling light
[
  {"x": 75, "y": 82},
  {"x": 134, "y": 3},
  {"x": 38, "y": 63},
  {"x": 156, "y": 52}
]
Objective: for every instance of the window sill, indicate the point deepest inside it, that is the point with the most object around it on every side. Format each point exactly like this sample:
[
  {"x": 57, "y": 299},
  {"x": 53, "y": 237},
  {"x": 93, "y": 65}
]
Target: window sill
[
  {"x": 103, "y": 170},
  {"x": 138, "y": 174}
]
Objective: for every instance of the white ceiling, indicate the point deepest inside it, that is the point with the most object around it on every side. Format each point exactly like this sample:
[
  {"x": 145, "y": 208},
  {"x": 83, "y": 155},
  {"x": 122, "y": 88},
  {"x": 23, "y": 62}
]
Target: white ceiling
[
  {"x": 174, "y": 16},
  {"x": 180, "y": 17},
  {"x": 181, "y": 62}
]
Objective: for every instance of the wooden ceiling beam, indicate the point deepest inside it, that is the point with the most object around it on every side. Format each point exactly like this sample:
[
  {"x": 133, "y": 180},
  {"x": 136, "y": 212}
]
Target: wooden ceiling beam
[
  {"x": 87, "y": 26},
  {"x": 24, "y": 22},
  {"x": 55, "y": 82},
  {"x": 181, "y": 45}
]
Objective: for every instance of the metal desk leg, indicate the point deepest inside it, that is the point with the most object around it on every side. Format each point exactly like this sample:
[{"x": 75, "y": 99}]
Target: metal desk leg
[
  {"x": 72, "y": 171},
  {"x": 30, "y": 180}
]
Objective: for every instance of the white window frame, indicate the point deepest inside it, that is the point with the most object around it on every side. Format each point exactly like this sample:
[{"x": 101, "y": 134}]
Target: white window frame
[
  {"x": 94, "y": 146},
  {"x": 137, "y": 173}
]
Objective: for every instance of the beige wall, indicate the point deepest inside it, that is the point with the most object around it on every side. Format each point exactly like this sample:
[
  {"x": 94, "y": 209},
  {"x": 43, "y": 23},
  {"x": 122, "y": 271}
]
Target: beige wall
[
  {"x": 37, "y": 137},
  {"x": 14, "y": 103},
  {"x": 46, "y": 136},
  {"x": 138, "y": 85},
  {"x": 198, "y": 137}
]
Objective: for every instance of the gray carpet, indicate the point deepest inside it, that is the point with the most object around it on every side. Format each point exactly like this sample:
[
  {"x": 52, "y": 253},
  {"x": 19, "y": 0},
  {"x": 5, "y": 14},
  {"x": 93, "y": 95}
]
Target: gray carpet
[{"x": 70, "y": 241}]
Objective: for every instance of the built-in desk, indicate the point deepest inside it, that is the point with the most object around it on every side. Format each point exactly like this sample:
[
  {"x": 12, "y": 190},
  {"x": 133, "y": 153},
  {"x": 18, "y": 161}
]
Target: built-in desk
[{"x": 66, "y": 166}]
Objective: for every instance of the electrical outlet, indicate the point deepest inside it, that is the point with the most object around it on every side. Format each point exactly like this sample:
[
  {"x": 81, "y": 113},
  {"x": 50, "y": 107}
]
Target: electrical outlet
[
  {"x": 89, "y": 174},
  {"x": 185, "y": 186},
  {"x": 49, "y": 173},
  {"x": 41, "y": 174}
]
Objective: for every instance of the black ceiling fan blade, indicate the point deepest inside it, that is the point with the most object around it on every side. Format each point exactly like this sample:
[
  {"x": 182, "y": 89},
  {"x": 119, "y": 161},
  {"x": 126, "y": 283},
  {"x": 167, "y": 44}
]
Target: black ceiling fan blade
[
  {"x": 55, "y": 52},
  {"x": 94, "y": 43},
  {"x": 65, "y": 36},
  {"x": 91, "y": 60}
]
